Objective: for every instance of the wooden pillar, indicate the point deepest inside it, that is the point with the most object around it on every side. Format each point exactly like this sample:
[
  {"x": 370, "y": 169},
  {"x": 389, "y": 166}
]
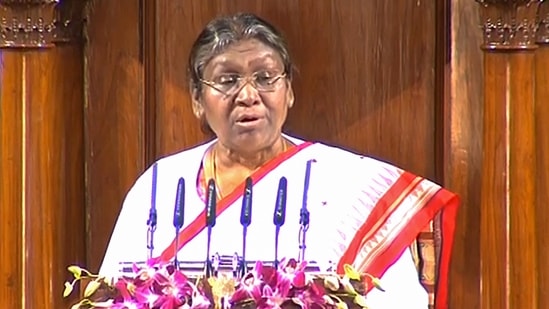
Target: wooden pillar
[
  {"x": 41, "y": 151},
  {"x": 542, "y": 151},
  {"x": 507, "y": 234},
  {"x": 462, "y": 112}
]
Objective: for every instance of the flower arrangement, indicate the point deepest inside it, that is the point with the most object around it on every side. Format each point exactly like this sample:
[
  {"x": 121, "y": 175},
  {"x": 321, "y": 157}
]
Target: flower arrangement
[{"x": 263, "y": 287}]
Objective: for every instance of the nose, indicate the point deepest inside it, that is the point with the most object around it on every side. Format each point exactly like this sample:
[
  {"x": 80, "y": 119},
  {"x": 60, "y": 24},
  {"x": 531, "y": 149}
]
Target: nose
[{"x": 247, "y": 94}]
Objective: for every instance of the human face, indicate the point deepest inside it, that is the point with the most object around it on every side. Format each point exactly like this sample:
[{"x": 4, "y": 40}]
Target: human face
[{"x": 246, "y": 120}]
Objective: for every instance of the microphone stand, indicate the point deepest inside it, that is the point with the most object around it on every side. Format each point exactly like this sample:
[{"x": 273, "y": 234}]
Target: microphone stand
[
  {"x": 151, "y": 223},
  {"x": 175, "y": 260},
  {"x": 304, "y": 213},
  {"x": 243, "y": 261},
  {"x": 150, "y": 235},
  {"x": 303, "y": 233},
  {"x": 209, "y": 268},
  {"x": 277, "y": 232}
]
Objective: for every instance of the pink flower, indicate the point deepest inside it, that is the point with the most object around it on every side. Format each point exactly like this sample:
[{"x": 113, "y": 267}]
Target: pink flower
[
  {"x": 250, "y": 286},
  {"x": 271, "y": 288}
]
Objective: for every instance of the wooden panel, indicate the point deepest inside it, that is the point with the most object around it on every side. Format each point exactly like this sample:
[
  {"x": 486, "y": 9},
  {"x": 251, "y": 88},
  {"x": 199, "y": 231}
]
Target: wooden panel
[
  {"x": 42, "y": 174},
  {"x": 542, "y": 152},
  {"x": 370, "y": 89},
  {"x": 54, "y": 185},
  {"x": 114, "y": 115},
  {"x": 462, "y": 145},
  {"x": 507, "y": 212},
  {"x": 508, "y": 255},
  {"x": 11, "y": 179}
]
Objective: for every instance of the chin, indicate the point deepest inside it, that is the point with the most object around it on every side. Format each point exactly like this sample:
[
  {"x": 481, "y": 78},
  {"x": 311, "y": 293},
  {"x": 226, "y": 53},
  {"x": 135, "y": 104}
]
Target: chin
[{"x": 253, "y": 141}]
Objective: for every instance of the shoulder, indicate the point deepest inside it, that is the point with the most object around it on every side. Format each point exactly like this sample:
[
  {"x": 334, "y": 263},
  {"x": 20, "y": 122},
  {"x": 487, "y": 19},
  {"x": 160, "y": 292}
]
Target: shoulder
[{"x": 350, "y": 162}]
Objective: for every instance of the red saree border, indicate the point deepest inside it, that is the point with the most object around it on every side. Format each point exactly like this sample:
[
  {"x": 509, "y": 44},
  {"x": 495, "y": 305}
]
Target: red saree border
[
  {"x": 444, "y": 202},
  {"x": 448, "y": 218},
  {"x": 199, "y": 223},
  {"x": 377, "y": 216}
]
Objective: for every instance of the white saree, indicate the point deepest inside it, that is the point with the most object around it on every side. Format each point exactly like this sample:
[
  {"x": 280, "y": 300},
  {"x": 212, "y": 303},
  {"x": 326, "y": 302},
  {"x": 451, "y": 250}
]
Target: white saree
[{"x": 362, "y": 212}]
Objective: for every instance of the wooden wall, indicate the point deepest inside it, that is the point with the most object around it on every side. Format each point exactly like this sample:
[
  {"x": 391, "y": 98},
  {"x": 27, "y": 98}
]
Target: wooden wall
[
  {"x": 42, "y": 207},
  {"x": 407, "y": 82}
]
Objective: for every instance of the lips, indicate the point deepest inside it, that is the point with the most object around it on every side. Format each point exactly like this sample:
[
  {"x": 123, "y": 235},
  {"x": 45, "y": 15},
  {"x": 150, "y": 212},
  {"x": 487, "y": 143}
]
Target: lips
[{"x": 247, "y": 118}]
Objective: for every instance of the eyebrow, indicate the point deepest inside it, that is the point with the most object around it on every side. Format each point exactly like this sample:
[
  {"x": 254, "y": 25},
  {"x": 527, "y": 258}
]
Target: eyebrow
[{"x": 268, "y": 60}]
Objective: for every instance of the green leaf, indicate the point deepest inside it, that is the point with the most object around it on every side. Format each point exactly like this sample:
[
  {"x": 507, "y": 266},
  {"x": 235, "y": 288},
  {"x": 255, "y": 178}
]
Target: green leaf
[
  {"x": 341, "y": 305},
  {"x": 347, "y": 286},
  {"x": 361, "y": 301},
  {"x": 377, "y": 284},
  {"x": 76, "y": 271},
  {"x": 68, "y": 289},
  {"x": 91, "y": 288},
  {"x": 331, "y": 283},
  {"x": 351, "y": 272}
]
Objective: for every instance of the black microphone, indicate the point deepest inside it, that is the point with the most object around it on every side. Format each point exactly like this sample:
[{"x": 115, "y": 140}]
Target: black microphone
[
  {"x": 246, "y": 211},
  {"x": 151, "y": 222},
  {"x": 279, "y": 216},
  {"x": 211, "y": 205},
  {"x": 178, "y": 214},
  {"x": 280, "y": 207},
  {"x": 246, "y": 219}
]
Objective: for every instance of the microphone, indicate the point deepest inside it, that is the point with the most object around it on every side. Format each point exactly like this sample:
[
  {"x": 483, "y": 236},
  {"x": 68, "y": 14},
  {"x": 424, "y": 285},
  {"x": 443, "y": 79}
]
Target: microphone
[
  {"x": 304, "y": 212},
  {"x": 246, "y": 219},
  {"x": 178, "y": 214},
  {"x": 151, "y": 222},
  {"x": 279, "y": 213},
  {"x": 246, "y": 211},
  {"x": 211, "y": 205}
]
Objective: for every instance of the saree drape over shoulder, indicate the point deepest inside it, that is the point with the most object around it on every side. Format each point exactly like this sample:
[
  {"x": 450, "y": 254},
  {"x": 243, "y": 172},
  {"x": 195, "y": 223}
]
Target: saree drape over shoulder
[{"x": 363, "y": 212}]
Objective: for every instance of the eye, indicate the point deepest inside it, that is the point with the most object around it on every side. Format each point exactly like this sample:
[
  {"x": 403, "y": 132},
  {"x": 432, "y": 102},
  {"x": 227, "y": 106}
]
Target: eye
[
  {"x": 227, "y": 79},
  {"x": 263, "y": 78}
]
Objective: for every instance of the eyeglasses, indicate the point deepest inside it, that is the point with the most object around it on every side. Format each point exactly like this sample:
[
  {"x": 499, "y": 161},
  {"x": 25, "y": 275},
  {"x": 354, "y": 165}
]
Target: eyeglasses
[{"x": 229, "y": 84}]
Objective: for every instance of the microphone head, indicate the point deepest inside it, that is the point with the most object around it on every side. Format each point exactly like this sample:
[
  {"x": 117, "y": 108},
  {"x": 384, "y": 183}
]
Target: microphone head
[
  {"x": 178, "y": 212},
  {"x": 211, "y": 203},
  {"x": 279, "y": 216},
  {"x": 246, "y": 211}
]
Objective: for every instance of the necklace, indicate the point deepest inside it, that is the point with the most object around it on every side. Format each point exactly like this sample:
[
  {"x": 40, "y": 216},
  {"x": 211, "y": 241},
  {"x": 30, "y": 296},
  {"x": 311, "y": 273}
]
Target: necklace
[{"x": 211, "y": 170}]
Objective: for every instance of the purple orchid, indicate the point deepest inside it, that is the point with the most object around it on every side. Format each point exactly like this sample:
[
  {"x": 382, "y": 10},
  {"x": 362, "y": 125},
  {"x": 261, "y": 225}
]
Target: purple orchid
[{"x": 271, "y": 288}]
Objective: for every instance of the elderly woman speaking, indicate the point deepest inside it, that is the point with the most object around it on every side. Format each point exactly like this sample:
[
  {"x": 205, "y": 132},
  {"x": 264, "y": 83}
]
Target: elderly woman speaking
[{"x": 310, "y": 201}]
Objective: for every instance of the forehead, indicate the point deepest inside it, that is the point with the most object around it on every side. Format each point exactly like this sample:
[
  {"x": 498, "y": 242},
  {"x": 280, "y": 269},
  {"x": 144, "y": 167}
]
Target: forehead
[{"x": 246, "y": 54}]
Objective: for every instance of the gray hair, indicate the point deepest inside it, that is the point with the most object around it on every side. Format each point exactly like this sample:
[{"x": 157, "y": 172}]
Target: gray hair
[{"x": 225, "y": 31}]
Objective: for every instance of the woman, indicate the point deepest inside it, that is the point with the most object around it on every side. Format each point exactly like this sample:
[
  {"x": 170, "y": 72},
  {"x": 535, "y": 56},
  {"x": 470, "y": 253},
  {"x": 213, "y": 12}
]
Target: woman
[{"x": 360, "y": 211}]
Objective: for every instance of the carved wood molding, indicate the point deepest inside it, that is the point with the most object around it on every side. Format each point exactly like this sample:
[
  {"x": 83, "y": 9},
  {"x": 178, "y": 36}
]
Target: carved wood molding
[
  {"x": 509, "y": 24},
  {"x": 39, "y": 23},
  {"x": 543, "y": 17}
]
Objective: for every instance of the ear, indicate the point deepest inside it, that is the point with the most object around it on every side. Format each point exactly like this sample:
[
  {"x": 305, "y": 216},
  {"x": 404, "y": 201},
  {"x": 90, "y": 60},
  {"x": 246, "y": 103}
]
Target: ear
[
  {"x": 198, "y": 109},
  {"x": 290, "y": 98}
]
